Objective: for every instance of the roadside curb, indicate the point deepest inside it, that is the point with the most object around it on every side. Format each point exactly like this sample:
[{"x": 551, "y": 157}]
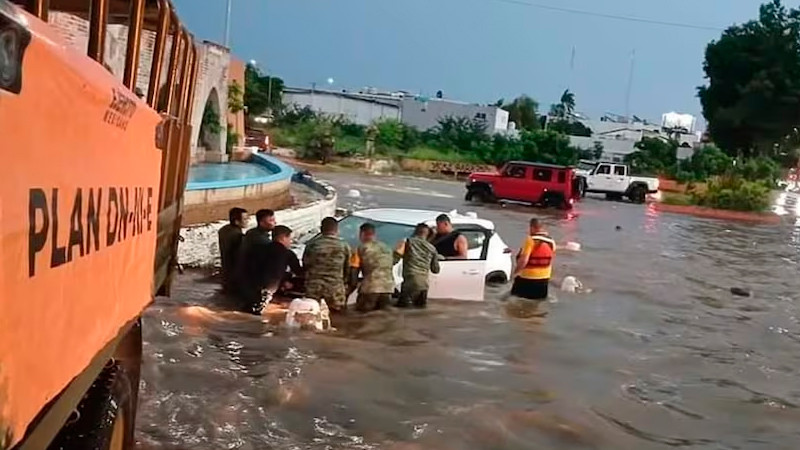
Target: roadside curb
[
  {"x": 721, "y": 214},
  {"x": 200, "y": 246}
]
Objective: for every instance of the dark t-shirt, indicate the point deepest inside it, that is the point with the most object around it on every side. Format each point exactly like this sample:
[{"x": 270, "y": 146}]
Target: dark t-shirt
[
  {"x": 446, "y": 244},
  {"x": 230, "y": 241},
  {"x": 263, "y": 262}
]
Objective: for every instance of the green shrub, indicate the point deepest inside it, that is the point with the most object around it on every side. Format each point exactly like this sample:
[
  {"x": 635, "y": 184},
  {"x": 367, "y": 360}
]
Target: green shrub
[{"x": 735, "y": 193}]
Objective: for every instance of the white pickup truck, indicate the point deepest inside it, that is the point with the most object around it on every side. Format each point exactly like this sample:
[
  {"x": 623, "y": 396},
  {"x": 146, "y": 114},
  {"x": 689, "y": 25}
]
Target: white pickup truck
[{"x": 615, "y": 181}]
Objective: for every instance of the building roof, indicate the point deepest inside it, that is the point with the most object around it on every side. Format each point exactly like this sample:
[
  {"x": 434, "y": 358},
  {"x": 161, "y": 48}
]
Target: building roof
[{"x": 371, "y": 98}]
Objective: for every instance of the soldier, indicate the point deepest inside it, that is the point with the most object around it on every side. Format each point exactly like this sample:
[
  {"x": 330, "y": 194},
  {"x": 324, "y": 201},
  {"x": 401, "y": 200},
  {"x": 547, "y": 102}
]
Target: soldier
[
  {"x": 230, "y": 239},
  {"x": 420, "y": 259},
  {"x": 327, "y": 265},
  {"x": 375, "y": 260}
]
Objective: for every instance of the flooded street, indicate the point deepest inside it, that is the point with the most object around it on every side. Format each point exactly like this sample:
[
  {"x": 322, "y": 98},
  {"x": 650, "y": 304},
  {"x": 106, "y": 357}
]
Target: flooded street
[{"x": 659, "y": 355}]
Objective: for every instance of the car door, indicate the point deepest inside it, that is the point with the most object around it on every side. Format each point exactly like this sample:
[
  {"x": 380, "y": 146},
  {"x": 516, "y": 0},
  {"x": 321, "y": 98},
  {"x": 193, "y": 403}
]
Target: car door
[
  {"x": 512, "y": 185},
  {"x": 619, "y": 178},
  {"x": 463, "y": 279},
  {"x": 541, "y": 179},
  {"x": 601, "y": 179}
]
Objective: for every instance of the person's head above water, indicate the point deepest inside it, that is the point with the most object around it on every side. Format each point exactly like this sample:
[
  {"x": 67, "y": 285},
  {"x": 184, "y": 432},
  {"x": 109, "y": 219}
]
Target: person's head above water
[
  {"x": 329, "y": 226},
  {"x": 443, "y": 224},
  {"x": 421, "y": 231},
  {"x": 535, "y": 226},
  {"x": 282, "y": 235},
  {"x": 366, "y": 232},
  {"x": 238, "y": 217},
  {"x": 265, "y": 218}
]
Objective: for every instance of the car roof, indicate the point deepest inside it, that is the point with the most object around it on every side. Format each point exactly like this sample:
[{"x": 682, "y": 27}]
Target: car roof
[
  {"x": 549, "y": 166},
  {"x": 414, "y": 216}
]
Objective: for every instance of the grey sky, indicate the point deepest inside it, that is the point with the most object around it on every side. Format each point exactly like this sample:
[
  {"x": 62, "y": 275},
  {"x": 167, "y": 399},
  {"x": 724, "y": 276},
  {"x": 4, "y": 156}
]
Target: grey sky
[{"x": 481, "y": 50}]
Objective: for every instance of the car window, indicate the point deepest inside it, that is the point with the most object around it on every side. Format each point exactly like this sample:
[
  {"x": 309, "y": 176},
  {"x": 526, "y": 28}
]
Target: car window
[
  {"x": 475, "y": 239},
  {"x": 562, "y": 176},
  {"x": 388, "y": 233},
  {"x": 619, "y": 170},
  {"x": 586, "y": 165},
  {"x": 515, "y": 171},
  {"x": 542, "y": 174},
  {"x": 605, "y": 169}
]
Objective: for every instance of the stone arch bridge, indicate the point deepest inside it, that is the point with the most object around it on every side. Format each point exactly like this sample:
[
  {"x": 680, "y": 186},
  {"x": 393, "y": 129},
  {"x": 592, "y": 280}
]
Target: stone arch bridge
[{"x": 214, "y": 74}]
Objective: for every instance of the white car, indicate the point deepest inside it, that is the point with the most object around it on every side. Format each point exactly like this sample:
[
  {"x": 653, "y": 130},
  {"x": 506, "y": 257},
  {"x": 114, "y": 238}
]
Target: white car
[{"x": 488, "y": 258}]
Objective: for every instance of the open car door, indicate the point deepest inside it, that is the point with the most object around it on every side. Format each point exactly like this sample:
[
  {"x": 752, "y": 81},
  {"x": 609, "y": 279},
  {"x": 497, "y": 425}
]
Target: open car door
[
  {"x": 463, "y": 279},
  {"x": 459, "y": 279}
]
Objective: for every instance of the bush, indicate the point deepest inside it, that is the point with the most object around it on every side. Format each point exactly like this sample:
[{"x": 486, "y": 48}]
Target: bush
[{"x": 735, "y": 193}]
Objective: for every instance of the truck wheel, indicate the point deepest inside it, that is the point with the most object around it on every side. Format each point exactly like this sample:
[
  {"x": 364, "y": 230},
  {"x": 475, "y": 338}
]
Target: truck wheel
[
  {"x": 104, "y": 417},
  {"x": 637, "y": 194}
]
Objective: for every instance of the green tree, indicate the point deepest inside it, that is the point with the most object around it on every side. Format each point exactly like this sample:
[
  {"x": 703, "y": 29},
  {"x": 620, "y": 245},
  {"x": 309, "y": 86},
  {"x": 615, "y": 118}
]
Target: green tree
[
  {"x": 568, "y": 102},
  {"x": 261, "y": 92},
  {"x": 235, "y": 97},
  {"x": 752, "y": 100},
  {"x": 522, "y": 111},
  {"x": 654, "y": 156}
]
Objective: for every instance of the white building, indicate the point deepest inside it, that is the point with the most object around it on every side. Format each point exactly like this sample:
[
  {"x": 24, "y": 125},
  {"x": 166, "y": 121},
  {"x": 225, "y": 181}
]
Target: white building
[
  {"x": 425, "y": 113},
  {"x": 361, "y": 109}
]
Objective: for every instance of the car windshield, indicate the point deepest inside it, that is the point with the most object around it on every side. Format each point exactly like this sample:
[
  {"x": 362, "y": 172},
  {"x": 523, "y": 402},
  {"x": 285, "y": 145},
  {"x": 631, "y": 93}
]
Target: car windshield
[
  {"x": 388, "y": 233},
  {"x": 585, "y": 165}
]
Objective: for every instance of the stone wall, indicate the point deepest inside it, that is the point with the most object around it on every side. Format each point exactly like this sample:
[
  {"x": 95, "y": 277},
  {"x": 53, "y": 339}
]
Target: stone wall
[{"x": 200, "y": 247}]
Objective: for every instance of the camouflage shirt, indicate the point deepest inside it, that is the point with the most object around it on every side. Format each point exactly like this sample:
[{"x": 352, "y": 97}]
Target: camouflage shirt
[
  {"x": 375, "y": 261},
  {"x": 327, "y": 265},
  {"x": 419, "y": 260}
]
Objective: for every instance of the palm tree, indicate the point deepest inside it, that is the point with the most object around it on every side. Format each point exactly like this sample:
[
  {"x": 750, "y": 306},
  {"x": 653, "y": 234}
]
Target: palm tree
[
  {"x": 568, "y": 102},
  {"x": 522, "y": 111}
]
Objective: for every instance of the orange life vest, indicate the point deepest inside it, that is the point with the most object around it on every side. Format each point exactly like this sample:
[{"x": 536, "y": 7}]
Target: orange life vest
[{"x": 542, "y": 254}]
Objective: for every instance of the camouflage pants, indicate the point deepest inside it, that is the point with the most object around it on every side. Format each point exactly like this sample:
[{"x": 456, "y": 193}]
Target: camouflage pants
[{"x": 332, "y": 292}]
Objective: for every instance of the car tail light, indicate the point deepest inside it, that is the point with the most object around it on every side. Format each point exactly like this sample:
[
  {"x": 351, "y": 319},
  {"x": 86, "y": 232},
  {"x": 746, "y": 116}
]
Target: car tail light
[{"x": 508, "y": 250}]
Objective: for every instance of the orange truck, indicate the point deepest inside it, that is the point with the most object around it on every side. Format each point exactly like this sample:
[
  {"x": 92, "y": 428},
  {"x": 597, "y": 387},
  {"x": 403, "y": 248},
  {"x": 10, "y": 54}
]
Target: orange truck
[{"x": 90, "y": 211}]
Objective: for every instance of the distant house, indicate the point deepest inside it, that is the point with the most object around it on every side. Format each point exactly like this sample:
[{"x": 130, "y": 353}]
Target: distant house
[
  {"x": 425, "y": 113},
  {"x": 358, "y": 108},
  {"x": 619, "y": 139}
]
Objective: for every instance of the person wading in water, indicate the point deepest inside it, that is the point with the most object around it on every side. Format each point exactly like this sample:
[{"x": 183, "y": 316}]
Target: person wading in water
[
  {"x": 534, "y": 265},
  {"x": 420, "y": 259},
  {"x": 326, "y": 260},
  {"x": 448, "y": 242},
  {"x": 374, "y": 260},
  {"x": 230, "y": 240}
]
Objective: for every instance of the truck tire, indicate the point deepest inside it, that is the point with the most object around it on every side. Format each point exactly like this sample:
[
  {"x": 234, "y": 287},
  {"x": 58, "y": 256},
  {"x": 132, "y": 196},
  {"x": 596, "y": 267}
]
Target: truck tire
[
  {"x": 637, "y": 194},
  {"x": 104, "y": 417},
  {"x": 480, "y": 195}
]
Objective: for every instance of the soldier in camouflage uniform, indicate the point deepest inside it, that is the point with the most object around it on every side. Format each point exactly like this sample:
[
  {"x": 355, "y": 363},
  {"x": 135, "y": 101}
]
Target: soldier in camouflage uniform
[
  {"x": 374, "y": 260},
  {"x": 326, "y": 260},
  {"x": 420, "y": 259}
]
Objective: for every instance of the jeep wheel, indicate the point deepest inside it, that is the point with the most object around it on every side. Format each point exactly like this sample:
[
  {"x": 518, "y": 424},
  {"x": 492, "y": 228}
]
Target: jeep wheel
[{"x": 637, "y": 194}]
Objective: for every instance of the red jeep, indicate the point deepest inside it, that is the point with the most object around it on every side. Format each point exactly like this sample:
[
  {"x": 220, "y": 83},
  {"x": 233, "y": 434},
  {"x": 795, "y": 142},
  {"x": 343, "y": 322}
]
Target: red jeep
[{"x": 529, "y": 182}]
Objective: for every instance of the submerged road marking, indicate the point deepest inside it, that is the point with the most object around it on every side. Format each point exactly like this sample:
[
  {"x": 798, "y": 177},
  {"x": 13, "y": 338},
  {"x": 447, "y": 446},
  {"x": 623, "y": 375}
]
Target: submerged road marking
[{"x": 410, "y": 191}]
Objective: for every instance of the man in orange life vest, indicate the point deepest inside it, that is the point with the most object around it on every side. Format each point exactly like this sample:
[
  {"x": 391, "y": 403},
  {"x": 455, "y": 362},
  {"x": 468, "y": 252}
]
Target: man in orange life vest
[{"x": 534, "y": 264}]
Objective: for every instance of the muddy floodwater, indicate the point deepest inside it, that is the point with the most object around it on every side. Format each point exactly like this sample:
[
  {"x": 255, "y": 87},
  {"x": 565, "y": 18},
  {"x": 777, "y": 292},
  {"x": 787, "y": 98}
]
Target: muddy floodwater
[{"x": 659, "y": 355}]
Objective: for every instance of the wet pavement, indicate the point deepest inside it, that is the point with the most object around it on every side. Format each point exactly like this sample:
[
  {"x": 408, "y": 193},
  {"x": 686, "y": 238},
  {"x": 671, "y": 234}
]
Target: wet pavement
[{"x": 659, "y": 355}]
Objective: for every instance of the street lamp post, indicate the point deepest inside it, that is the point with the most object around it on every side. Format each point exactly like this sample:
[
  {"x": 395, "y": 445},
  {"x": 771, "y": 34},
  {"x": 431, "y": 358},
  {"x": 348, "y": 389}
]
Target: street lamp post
[{"x": 228, "y": 25}]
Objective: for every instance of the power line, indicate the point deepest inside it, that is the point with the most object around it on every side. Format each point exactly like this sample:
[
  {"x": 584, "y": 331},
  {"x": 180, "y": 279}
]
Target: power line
[{"x": 610, "y": 16}]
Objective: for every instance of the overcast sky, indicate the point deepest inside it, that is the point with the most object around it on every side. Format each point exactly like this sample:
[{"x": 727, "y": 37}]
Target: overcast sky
[{"x": 483, "y": 50}]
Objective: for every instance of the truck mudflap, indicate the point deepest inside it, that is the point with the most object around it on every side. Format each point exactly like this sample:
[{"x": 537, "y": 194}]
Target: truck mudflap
[{"x": 78, "y": 216}]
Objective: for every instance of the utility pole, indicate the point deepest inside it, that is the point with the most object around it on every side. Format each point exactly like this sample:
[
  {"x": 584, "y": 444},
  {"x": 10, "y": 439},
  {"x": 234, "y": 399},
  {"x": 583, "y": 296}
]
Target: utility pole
[
  {"x": 630, "y": 86},
  {"x": 228, "y": 25}
]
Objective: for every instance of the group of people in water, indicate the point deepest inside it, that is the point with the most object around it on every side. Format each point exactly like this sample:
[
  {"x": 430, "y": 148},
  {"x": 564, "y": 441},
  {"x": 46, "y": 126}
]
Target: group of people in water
[{"x": 258, "y": 264}]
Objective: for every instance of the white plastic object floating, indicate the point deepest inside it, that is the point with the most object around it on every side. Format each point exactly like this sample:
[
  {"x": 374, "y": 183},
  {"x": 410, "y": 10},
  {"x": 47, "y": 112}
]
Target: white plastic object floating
[
  {"x": 571, "y": 284},
  {"x": 307, "y": 312},
  {"x": 573, "y": 246},
  {"x": 353, "y": 193}
]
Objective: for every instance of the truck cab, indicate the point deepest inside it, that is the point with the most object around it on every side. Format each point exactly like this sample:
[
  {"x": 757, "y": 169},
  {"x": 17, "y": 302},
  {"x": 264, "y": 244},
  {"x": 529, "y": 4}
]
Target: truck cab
[
  {"x": 528, "y": 182},
  {"x": 615, "y": 180}
]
